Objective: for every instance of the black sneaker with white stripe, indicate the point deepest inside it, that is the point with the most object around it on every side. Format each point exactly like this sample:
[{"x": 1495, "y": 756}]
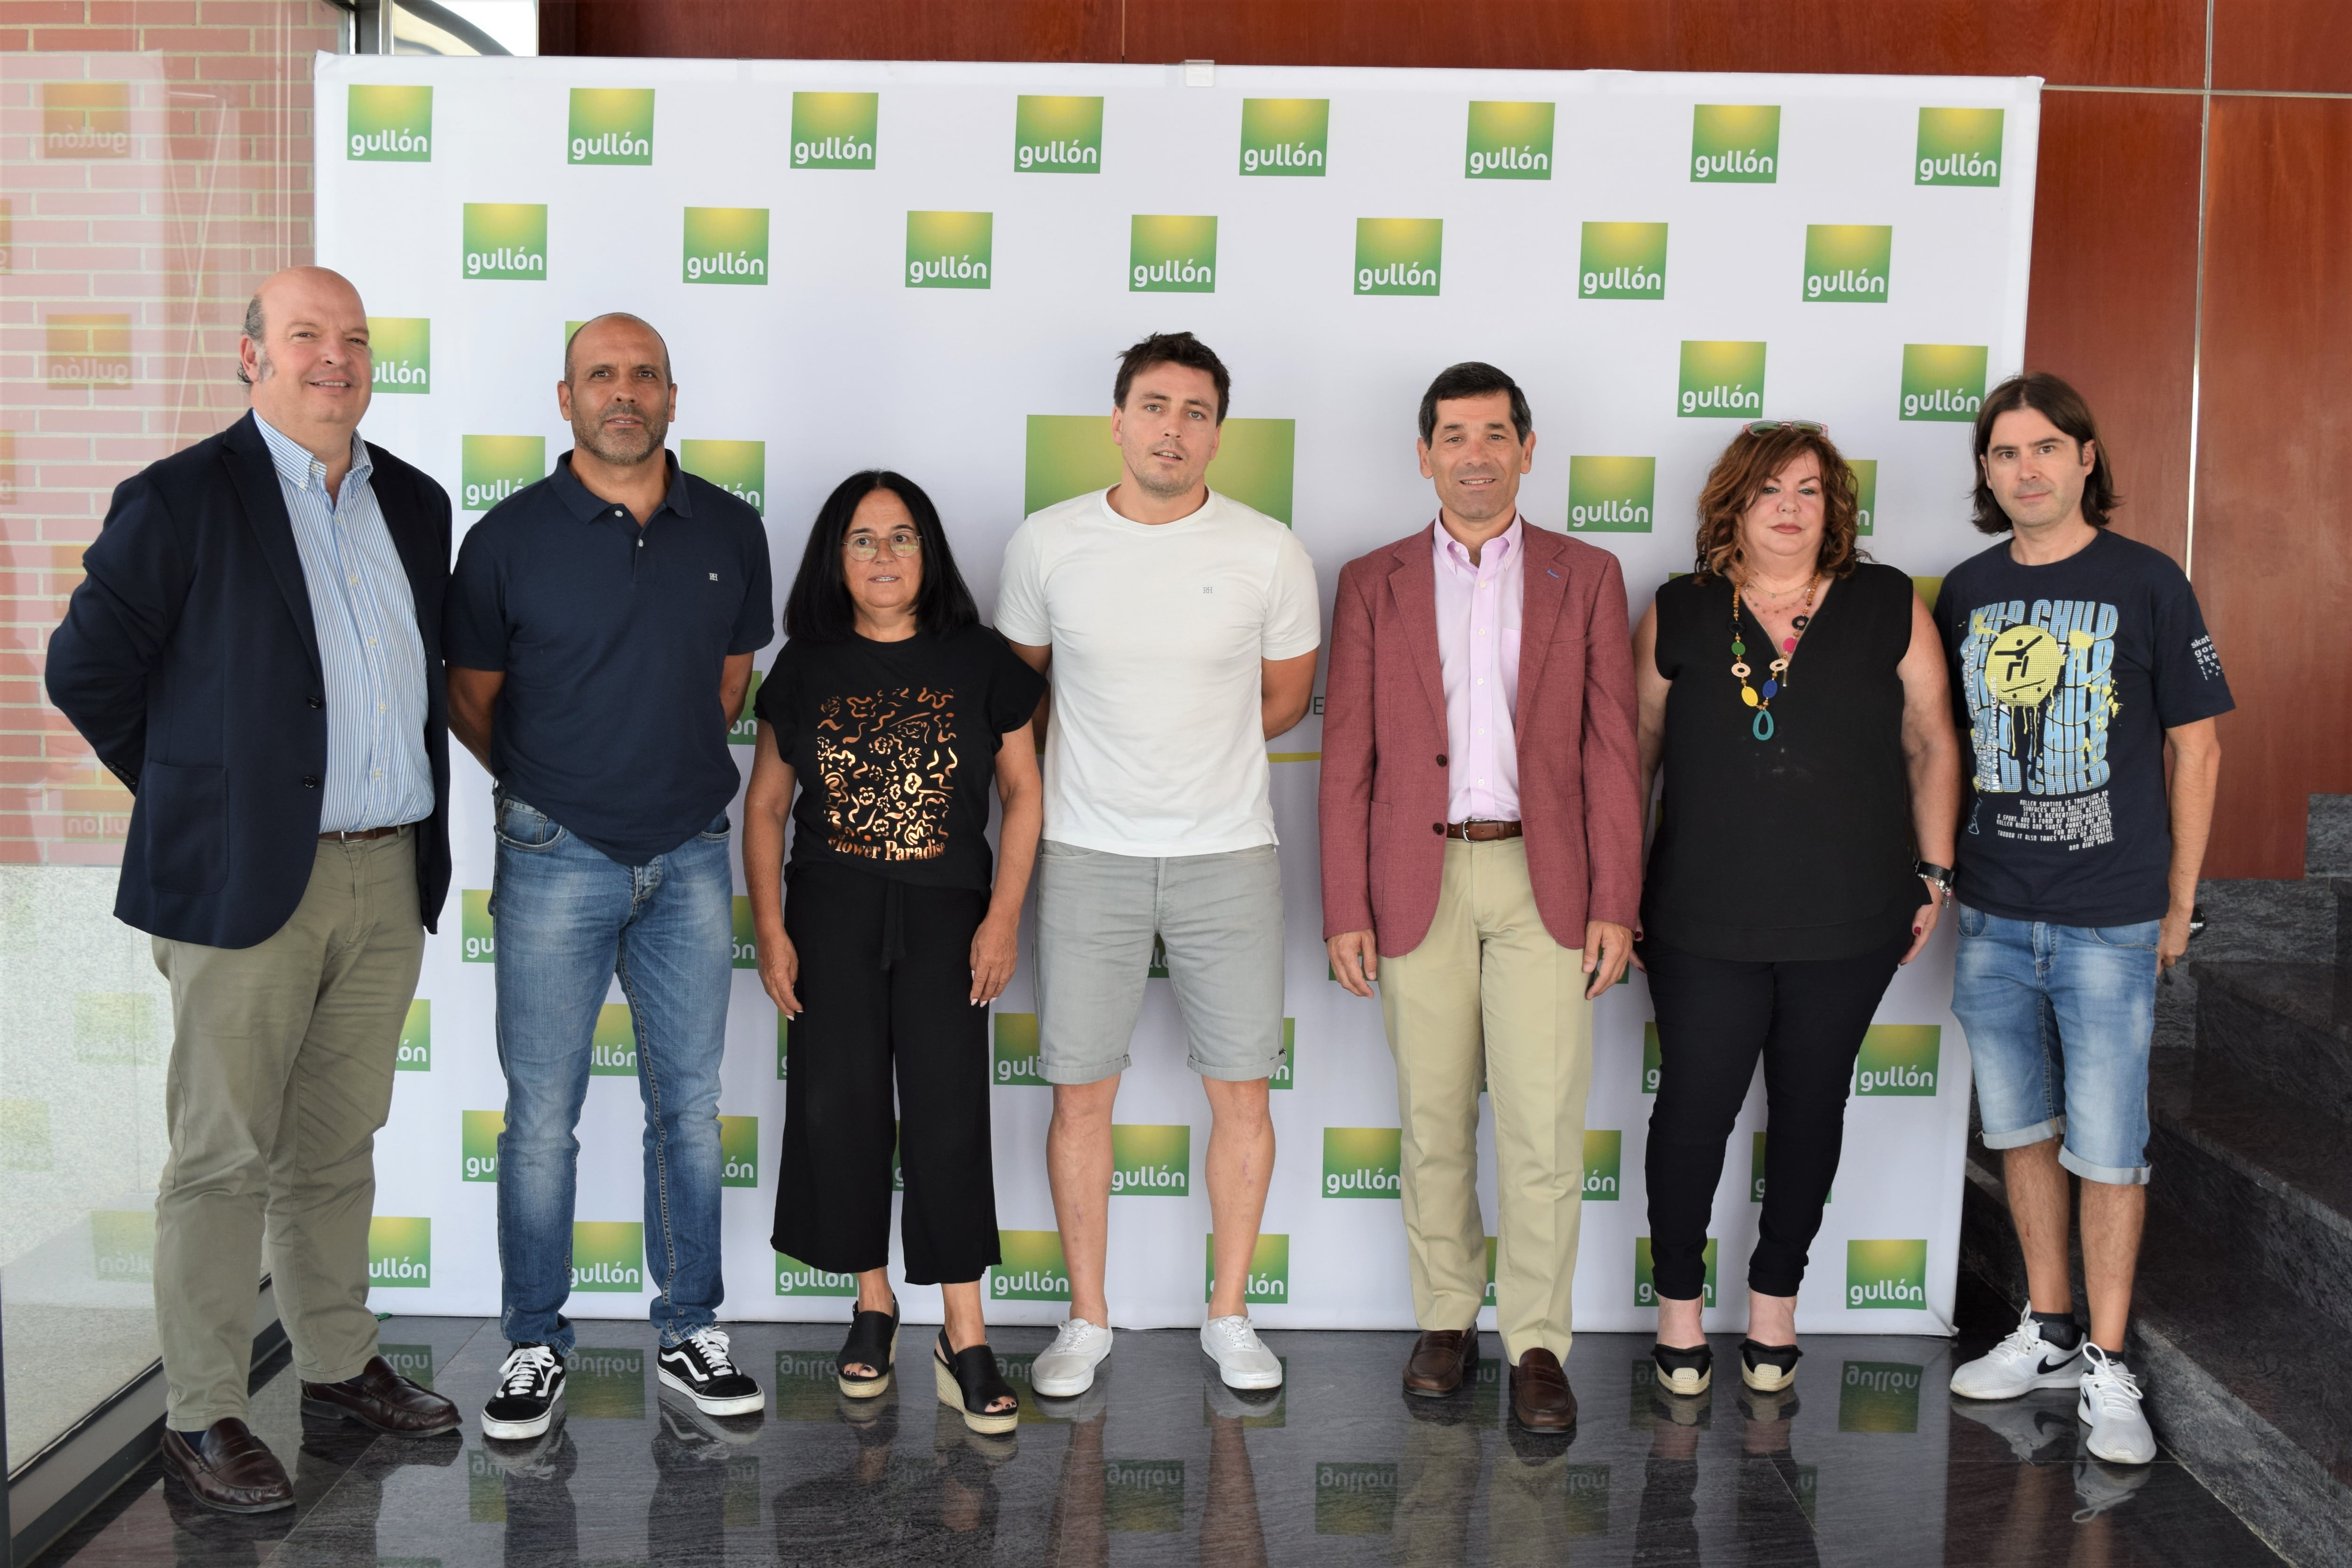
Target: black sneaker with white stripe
[
  {"x": 530, "y": 1382},
  {"x": 699, "y": 1367}
]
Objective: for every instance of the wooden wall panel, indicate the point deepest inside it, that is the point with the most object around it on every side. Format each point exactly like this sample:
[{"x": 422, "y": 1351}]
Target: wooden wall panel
[
  {"x": 834, "y": 29},
  {"x": 2273, "y": 562},
  {"x": 2282, "y": 46}
]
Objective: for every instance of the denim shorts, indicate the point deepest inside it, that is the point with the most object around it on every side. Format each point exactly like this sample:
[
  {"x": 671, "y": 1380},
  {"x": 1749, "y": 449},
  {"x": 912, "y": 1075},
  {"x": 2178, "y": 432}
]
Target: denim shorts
[{"x": 2060, "y": 1020}]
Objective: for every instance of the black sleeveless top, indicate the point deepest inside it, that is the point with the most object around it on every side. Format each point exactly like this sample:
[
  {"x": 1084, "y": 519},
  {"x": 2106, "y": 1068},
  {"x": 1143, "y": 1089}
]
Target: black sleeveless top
[{"x": 1798, "y": 846}]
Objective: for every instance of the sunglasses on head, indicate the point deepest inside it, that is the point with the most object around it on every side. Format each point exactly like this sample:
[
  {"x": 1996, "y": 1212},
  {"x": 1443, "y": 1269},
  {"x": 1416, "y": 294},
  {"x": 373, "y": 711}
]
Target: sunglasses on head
[{"x": 1803, "y": 426}]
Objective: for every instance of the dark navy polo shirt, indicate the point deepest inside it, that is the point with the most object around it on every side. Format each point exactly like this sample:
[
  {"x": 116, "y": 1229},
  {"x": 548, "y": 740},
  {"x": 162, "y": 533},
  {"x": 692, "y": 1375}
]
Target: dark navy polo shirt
[{"x": 613, "y": 638}]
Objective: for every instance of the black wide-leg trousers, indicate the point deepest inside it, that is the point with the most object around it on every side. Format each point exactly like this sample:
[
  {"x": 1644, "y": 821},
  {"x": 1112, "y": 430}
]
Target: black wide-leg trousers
[{"x": 886, "y": 991}]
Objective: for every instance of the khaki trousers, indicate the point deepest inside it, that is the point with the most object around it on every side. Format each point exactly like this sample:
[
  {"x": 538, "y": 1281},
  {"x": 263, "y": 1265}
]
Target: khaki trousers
[
  {"x": 281, "y": 1069},
  {"x": 1488, "y": 986}
]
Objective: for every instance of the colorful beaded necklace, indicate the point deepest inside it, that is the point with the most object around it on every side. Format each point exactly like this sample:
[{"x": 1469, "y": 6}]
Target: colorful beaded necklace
[{"x": 1764, "y": 725}]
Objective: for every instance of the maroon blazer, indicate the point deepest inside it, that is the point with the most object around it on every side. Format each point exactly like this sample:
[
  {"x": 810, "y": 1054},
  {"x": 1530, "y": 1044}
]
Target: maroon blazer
[{"x": 1385, "y": 791}]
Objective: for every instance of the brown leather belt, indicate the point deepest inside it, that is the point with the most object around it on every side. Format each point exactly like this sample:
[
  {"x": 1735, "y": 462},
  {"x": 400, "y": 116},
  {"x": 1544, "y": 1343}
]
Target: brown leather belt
[
  {"x": 1476, "y": 831},
  {"x": 355, "y": 835}
]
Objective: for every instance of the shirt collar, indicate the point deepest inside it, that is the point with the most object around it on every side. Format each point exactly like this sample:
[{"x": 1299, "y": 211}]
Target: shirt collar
[
  {"x": 584, "y": 503},
  {"x": 1496, "y": 555},
  {"x": 296, "y": 465}
]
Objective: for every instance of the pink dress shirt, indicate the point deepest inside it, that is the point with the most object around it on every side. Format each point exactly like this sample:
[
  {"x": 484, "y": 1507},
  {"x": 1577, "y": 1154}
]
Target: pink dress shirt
[{"x": 1478, "y": 656}]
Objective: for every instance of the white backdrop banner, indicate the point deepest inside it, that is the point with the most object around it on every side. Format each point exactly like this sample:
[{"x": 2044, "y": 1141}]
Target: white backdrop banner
[{"x": 929, "y": 267}]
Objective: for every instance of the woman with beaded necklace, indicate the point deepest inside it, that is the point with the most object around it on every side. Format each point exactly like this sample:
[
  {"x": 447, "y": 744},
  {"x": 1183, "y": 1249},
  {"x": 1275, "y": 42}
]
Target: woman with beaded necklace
[{"x": 1796, "y": 695}]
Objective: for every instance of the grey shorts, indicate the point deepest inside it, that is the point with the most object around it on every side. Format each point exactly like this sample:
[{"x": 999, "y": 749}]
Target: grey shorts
[{"x": 1218, "y": 916}]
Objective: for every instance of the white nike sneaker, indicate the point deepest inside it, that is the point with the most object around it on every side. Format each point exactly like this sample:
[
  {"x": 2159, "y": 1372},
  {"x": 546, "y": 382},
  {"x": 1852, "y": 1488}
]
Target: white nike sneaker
[
  {"x": 2020, "y": 1365},
  {"x": 1066, "y": 1367},
  {"x": 2110, "y": 1403},
  {"x": 1242, "y": 1360}
]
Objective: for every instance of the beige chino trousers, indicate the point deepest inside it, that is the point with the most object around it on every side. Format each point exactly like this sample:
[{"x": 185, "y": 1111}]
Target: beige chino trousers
[
  {"x": 282, "y": 1058},
  {"x": 1489, "y": 987}
]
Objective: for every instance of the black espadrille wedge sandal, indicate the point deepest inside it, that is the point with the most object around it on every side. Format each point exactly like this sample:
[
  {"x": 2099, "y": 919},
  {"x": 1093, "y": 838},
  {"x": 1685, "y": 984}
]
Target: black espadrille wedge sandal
[
  {"x": 1768, "y": 1369},
  {"x": 968, "y": 1380},
  {"x": 1687, "y": 1370},
  {"x": 873, "y": 1342}
]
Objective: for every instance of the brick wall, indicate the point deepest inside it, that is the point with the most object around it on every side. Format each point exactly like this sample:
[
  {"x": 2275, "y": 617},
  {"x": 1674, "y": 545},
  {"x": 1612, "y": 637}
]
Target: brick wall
[{"x": 154, "y": 164}]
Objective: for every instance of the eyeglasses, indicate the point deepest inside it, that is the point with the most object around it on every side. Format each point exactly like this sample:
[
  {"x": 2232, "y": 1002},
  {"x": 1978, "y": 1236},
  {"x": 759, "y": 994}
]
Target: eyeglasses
[
  {"x": 1767, "y": 426},
  {"x": 905, "y": 541}
]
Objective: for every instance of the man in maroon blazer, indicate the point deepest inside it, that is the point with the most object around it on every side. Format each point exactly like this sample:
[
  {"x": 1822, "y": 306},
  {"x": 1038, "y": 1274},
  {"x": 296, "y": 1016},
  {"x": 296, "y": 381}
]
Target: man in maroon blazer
[{"x": 1482, "y": 847}]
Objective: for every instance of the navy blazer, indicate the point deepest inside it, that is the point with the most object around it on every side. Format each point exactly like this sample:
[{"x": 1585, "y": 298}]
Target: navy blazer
[{"x": 189, "y": 661}]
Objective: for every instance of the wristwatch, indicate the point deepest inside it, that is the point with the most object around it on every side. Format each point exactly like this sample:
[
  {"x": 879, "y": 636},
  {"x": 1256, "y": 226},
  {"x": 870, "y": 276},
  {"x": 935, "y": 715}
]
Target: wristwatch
[{"x": 1939, "y": 875}]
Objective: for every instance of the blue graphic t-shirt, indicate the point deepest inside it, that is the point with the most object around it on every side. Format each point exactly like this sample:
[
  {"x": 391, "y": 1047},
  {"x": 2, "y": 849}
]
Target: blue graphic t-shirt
[{"x": 2066, "y": 677}]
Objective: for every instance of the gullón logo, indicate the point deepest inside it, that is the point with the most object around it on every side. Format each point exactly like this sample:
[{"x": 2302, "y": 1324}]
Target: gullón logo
[
  {"x": 477, "y": 929},
  {"x": 745, "y": 731},
  {"x": 390, "y": 124},
  {"x": 1652, "y": 1059},
  {"x": 1604, "y": 1157},
  {"x": 1362, "y": 1162},
  {"x": 835, "y": 129},
  {"x": 88, "y": 351},
  {"x": 1399, "y": 255},
  {"x": 1866, "y": 488},
  {"x": 1143, "y": 1495},
  {"x": 489, "y": 470},
  {"x": 85, "y": 119},
  {"x": 1284, "y": 135},
  {"x": 1645, "y": 1289},
  {"x": 950, "y": 250},
  {"x": 1283, "y": 1077},
  {"x": 746, "y": 947},
  {"x": 1355, "y": 1498},
  {"x": 1057, "y": 135},
  {"x": 1959, "y": 147},
  {"x": 738, "y": 468},
  {"x": 1886, "y": 1274},
  {"x": 1031, "y": 1269},
  {"x": 610, "y": 125},
  {"x": 400, "y": 1252},
  {"x": 1612, "y": 495},
  {"x": 1898, "y": 1059},
  {"x": 1623, "y": 261},
  {"x": 1269, "y": 1271},
  {"x": 1721, "y": 380},
  {"x": 1879, "y": 1396},
  {"x": 402, "y": 347},
  {"x": 613, "y": 1044},
  {"x": 506, "y": 239},
  {"x": 795, "y": 1278},
  {"x": 1015, "y": 1057},
  {"x": 1508, "y": 141},
  {"x": 739, "y": 1150},
  {"x": 1172, "y": 255},
  {"x": 1734, "y": 143},
  {"x": 1943, "y": 380},
  {"x": 478, "y": 1144},
  {"x": 608, "y": 1255},
  {"x": 726, "y": 245},
  {"x": 1150, "y": 1161},
  {"x": 122, "y": 1246},
  {"x": 1847, "y": 263},
  {"x": 415, "y": 1039},
  {"x": 783, "y": 1047}
]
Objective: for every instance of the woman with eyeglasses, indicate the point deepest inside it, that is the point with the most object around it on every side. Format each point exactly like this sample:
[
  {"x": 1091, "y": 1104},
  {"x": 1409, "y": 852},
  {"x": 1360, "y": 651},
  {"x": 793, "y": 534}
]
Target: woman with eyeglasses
[
  {"x": 891, "y": 709},
  {"x": 1795, "y": 694}
]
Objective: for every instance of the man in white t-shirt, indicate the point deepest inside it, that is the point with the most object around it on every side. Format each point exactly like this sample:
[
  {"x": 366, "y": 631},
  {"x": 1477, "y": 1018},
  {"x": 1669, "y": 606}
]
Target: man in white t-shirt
[{"x": 1178, "y": 629}]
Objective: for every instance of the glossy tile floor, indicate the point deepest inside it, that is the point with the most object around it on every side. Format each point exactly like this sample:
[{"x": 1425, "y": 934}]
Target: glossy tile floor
[{"x": 1871, "y": 1463}]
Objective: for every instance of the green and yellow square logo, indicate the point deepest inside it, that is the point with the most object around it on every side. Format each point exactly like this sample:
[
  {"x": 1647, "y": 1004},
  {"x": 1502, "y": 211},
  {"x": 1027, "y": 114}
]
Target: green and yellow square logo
[
  {"x": 1721, "y": 380},
  {"x": 390, "y": 124},
  {"x": 1621, "y": 261},
  {"x": 415, "y": 1039},
  {"x": 88, "y": 351},
  {"x": 400, "y": 1252},
  {"x": 122, "y": 1246},
  {"x": 1171, "y": 256},
  {"x": 795, "y": 1278},
  {"x": 478, "y": 1144},
  {"x": 1886, "y": 1274},
  {"x": 115, "y": 1028},
  {"x": 610, "y": 125},
  {"x": 477, "y": 931},
  {"x": 1865, "y": 492},
  {"x": 835, "y": 129},
  {"x": 1399, "y": 255},
  {"x": 1362, "y": 1162},
  {"x": 1959, "y": 147},
  {"x": 613, "y": 1044},
  {"x": 1879, "y": 1396},
  {"x": 486, "y": 1487},
  {"x": 1283, "y": 1077},
  {"x": 1652, "y": 1059},
  {"x": 85, "y": 119},
  {"x": 745, "y": 731},
  {"x": 950, "y": 250},
  {"x": 1586, "y": 1500},
  {"x": 402, "y": 347},
  {"x": 1645, "y": 1289},
  {"x": 1355, "y": 1498},
  {"x": 746, "y": 945},
  {"x": 1014, "y": 1056},
  {"x": 1943, "y": 380},
  {"x": 1848, "y": 263},
  {"x": 738, "y": 468},
  {"x": 806, "y": 1387},
  {"x": 739, "y": 1150},
  {"x": 1490, "y": 1273},
  {"x": 414, "y": 1363},
  {"x": 1055, "y": 135},
  {"x": 1734, "y": 143},
  {"x": 783, "y": 1047},
  {"x": 506, "y": 239},
  {"x": 1508, "y": 141},
  {"x": 1070, "y": 454},
  {"x": 1899, "y": 1060},
  {"x": 1143, "y": 1495},
  {"x": 489, "y": 470},
  {"x": 24, "y": 1141},
  {"x": 603, "y": 1382},
  {"x": 726, "y": 245},
  {"x": 1150, "y": 1161},
  {"x": 1612, "y": 495},
  {"x": 608, "y": 1255},
  {"x": 1031, "y": 1269},
  {"x": 1605, "y": 1158},
  {"x": 1269, "y": 1271},
  {"x": 1285, "y": 135}
]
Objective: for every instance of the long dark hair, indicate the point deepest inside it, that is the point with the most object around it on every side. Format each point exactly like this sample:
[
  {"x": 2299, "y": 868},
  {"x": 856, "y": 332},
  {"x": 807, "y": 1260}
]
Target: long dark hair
[
  {"x": 820, "y": 610},
  {"x": 2067, "y": 409}
]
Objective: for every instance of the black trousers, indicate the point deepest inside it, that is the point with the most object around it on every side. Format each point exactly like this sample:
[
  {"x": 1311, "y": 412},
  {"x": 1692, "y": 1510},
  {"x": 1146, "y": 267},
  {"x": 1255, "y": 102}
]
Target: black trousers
[
  {"x": 1715, "y": 1017},
  {"x": 885, "y": 989}
]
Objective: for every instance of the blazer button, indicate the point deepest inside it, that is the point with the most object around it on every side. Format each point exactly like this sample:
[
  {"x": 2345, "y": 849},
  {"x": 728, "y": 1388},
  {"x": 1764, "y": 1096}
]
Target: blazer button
[
  {"x": 1438, "y": 828},
  {"x": 1440, "y": 759},
  {"x": 316, "y": 701},
  {"x": 309, "y": 781}
]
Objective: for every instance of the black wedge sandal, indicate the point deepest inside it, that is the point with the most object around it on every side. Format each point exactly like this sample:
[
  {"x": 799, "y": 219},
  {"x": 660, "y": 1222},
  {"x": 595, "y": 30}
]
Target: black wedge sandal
[
  {"x": 1684, "y": 1370},
  {"x": 968, "y": 1380},
  {"x": 1768, "y": 1369},
  {"x": 873, "y": 1342}
]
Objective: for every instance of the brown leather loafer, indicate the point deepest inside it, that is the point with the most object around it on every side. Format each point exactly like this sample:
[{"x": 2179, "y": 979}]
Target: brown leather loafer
[
  {"x": 230, "y": 1470},
  {"x": 381, "y": 1398},
  {"x": 1540, "y": 1396},
  {"x": 1441, "y": 1359}
]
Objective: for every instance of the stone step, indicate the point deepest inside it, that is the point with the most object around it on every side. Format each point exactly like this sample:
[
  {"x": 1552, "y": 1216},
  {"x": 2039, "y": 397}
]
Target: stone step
[{"x": 2283, "y": 1028}]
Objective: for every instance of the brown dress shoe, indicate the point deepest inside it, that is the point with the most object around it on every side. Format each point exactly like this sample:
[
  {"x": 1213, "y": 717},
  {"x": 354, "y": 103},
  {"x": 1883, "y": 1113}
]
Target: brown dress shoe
[
  {"x": 1540, "y": 1396},
  {"x": 1441, "y": 1359},
  {"x": 381, "y": 1398},
  {"x": 229, "y": 1469}
]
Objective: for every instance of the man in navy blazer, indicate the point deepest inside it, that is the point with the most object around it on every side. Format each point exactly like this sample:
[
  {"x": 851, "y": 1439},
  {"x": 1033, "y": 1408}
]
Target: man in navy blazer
[{"x": 255, "y": 651}]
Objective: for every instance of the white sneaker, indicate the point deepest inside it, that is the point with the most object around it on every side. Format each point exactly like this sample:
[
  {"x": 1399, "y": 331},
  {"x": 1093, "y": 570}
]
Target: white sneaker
[
  {"x": 2110, "y": 1403},
  {"x": 1242, "y": 1360},
  {"x": 2020, "y": 1365},
  {"x": 1066, "y": 1367}
]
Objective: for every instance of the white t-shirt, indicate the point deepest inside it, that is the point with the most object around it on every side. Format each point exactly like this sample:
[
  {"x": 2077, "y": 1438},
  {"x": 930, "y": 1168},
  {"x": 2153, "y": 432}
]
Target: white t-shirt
[{"x": 1157, "y": 745}]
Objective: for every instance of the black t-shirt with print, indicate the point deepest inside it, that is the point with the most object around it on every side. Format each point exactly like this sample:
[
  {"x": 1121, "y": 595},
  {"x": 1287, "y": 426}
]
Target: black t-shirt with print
[
  {"x": 894, "y": 746},
  {"x": 2066, "y": 677}
]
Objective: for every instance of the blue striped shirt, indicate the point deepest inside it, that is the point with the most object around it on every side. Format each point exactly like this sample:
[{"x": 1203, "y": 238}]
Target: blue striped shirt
[{"x": 373, "y": 659}]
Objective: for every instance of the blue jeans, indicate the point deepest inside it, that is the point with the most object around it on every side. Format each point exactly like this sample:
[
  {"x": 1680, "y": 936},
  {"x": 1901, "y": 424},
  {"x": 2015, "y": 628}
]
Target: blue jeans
[
  {"x": 2060, "y": 1020},
  {"x": 568, "y": 920}
]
